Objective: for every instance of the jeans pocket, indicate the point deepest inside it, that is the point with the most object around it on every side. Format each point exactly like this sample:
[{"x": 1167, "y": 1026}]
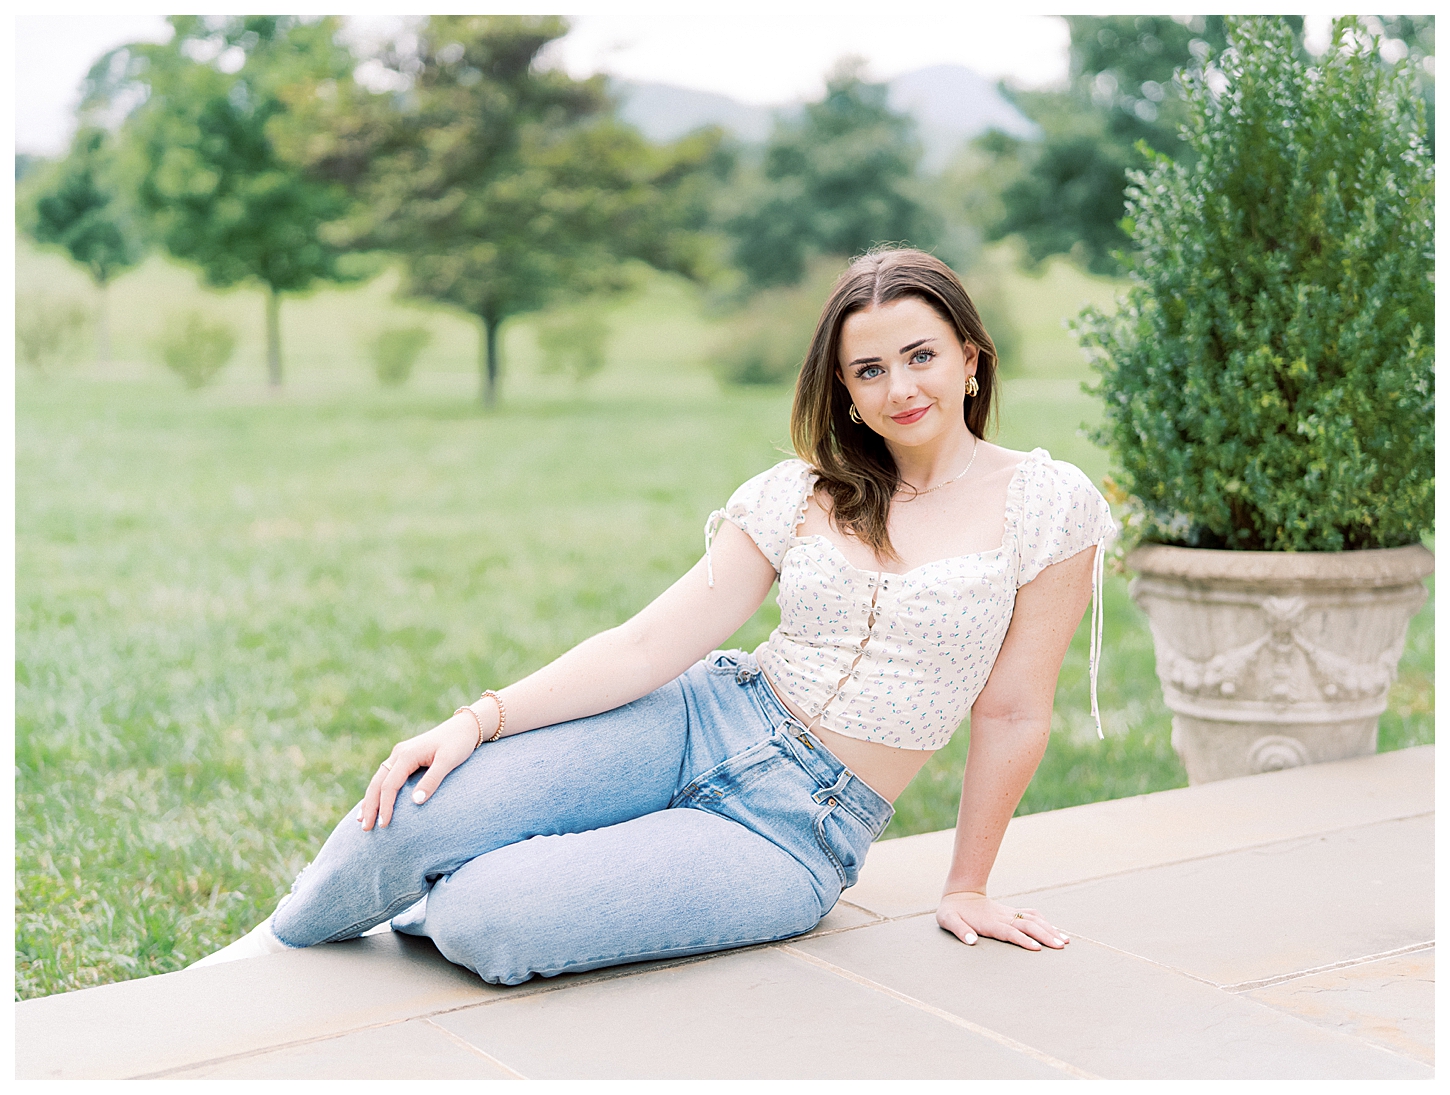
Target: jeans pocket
[{"x": 844, "y": 839}]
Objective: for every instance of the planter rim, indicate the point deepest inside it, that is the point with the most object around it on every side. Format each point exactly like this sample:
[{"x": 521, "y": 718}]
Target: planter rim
[{"x": 1372, "y": 567}]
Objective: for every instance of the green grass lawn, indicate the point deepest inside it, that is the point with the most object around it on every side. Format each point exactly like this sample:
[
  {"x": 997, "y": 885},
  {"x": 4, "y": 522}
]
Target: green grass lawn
[{"x": 230, "y": 603}]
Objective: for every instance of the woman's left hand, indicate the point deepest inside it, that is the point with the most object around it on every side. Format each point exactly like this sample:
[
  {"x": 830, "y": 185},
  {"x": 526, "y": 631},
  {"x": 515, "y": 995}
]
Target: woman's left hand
[{"x": 968, "y": 914}]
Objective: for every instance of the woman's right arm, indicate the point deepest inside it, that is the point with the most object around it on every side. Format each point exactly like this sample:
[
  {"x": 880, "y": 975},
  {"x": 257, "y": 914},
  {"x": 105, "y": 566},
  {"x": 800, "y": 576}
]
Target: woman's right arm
[{"x": 615, "y": 667}]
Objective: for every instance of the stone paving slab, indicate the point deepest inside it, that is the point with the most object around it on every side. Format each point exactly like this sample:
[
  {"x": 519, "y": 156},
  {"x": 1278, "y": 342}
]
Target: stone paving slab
[
  {"x": 1390, "y": 1003},
  {"x": 413, "y": 1050},
  {"x": 153, "y": 1024},
  {"x": 756, "y": 1014},
  {"x": 280, "y": 1002},
  {"x": 1153, "y": 889},
  {"x": 1100, "y": 839},
  {"x": 1267, "y": 912},
  {"x": 1108, "y": 1013}
]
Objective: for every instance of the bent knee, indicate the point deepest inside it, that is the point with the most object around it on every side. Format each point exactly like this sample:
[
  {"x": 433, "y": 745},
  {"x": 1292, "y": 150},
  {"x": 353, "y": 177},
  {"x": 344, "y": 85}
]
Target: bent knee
[{"x": 484, "y": 933}]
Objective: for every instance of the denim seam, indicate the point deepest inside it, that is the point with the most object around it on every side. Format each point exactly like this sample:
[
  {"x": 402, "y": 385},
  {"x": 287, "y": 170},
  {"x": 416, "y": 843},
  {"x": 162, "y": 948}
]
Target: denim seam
[
  {"x": 818, "y": 823},
  {"x": 864, "y": 823},
  {"x": 697, "y": 784},
  {"x": 870, "y": 828},
  {"x": 768, "y": 706},
  {"x": 840, "y": 801}
]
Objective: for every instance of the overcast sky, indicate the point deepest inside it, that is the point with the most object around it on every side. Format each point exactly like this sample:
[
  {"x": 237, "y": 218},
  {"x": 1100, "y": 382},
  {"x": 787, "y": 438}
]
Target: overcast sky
[{"x": 758, "y": 53}]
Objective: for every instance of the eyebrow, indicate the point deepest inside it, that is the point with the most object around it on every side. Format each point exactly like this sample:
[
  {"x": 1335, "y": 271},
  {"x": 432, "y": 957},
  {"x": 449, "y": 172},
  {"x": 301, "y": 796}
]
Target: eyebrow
[{"x": 876, "y": 360}]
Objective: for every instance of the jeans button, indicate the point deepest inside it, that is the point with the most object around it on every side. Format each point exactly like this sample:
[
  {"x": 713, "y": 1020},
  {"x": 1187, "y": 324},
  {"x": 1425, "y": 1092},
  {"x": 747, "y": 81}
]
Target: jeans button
[{"x": 830, "y": 802}]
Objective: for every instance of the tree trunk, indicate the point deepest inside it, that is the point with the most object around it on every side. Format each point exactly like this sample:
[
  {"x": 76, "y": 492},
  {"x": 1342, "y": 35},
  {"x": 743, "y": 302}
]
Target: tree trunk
[
  {"x": 274, "y": 338},
  {"x": 103, "y": 326},
  {"x": 488, "y": 362}
]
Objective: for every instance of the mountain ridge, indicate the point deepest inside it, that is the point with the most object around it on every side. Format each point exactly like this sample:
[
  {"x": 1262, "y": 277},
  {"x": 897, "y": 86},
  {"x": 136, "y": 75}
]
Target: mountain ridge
[{"x": 950, "y": 103}]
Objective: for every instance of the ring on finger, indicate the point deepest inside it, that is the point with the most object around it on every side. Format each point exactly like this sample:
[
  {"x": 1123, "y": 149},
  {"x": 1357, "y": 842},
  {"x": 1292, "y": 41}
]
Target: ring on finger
[
  {"x": 1019, "y": 916},
  {"x": 387, "y": 765}
]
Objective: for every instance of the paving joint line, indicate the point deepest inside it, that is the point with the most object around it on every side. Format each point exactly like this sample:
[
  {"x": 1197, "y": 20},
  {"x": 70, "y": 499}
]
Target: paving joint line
[
  {"x": 1145, "y": 867},
  {"x": 260, "y": 1050},
  {"x": 1279, "y": 979},
  {"x": 940, "y": 1013},
  {"x": 1236, "y": 988},
  {"x": 1209, "y": 855},
  {"x": 592, "y": 977},
  {"x": 471, "y": 1048}
]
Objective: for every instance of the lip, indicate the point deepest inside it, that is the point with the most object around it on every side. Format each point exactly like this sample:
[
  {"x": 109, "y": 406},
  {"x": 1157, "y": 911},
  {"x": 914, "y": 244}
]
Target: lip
[{"x": 906, "y": 418}]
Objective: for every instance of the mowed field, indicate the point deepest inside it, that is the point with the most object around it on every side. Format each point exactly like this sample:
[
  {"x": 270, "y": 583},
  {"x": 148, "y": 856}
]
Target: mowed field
[{"x": 231, "y": 602}]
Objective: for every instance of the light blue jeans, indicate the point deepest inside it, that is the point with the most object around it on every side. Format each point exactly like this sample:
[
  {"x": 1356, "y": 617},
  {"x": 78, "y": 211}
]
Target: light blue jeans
[{"x": 698, "y": 818}]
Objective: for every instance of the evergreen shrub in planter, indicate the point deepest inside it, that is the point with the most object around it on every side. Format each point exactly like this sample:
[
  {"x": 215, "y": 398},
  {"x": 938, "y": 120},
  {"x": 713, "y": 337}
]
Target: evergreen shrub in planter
[{"x": 1269, "y": 393}]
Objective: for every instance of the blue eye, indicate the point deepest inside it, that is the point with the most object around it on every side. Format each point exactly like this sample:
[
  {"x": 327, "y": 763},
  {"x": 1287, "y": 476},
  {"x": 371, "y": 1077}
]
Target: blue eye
[
  {"x": 868, "y": 372},
  {"x": 921, "y": 357}
]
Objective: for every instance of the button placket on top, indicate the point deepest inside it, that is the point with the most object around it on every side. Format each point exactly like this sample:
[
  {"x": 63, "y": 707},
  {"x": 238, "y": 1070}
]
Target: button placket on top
[{"x": 876, "y": 584}]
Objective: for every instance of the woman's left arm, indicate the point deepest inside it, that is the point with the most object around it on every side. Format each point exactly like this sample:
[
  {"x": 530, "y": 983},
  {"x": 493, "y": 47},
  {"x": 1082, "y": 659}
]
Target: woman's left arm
[{"x": 1011, "y": 720}]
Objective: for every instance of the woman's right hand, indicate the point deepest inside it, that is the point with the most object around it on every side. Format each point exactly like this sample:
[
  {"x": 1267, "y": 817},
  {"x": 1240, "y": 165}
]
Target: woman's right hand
[{"x": 440, "y": 750}]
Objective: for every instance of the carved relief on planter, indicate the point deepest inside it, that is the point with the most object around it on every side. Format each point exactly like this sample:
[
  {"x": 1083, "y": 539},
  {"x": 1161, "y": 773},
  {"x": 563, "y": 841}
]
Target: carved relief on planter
[{"x": 1274, "y": 659}]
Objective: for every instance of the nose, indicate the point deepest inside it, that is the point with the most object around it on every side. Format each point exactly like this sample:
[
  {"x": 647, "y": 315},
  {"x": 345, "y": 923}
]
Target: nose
[{"x": 903, "y": 386}]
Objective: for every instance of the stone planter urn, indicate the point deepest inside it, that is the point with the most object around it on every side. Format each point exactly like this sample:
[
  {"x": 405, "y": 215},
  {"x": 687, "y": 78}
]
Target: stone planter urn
[{"x": 1273, "y": 659}]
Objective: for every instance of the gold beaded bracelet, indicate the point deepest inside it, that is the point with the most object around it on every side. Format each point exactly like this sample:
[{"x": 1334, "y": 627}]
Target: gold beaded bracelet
[
  {"x": 497, "y": 733},
  {"x": 477, "y": 720},
  {"x": 502, "y": 716}
]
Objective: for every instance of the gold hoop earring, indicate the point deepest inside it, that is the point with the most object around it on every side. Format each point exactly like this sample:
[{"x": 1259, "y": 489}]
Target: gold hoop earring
[
  {"x": 854, "y": 415},
  {"x": 972, "y": 386}
]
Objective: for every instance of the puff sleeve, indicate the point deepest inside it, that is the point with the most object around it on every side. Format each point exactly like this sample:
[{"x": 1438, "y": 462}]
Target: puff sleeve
[
  {"x": 766, "y": 508},
  {"x": 1062, "y": 514}
]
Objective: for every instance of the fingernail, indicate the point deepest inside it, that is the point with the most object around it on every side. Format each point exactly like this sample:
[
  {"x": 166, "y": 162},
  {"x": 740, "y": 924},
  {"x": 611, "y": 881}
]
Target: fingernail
[
  {"x": 971, "y": 941},
  {"x": 418, "y": 797}
]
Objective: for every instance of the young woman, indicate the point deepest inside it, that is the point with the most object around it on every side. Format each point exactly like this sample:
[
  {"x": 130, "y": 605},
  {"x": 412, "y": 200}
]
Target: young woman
[{"x": 632, "y": 801}]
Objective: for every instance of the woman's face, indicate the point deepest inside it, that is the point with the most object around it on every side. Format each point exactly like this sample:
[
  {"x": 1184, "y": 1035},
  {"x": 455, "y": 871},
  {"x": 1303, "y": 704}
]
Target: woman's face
[{"x": 906, "y": 371}]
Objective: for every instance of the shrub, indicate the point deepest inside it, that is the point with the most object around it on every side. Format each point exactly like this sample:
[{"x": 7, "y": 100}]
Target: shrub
[
  {"x": 572, "y": 342},
  {"x": 48, "y": 329},
  {"x": 395, "y": 351},
  {"x": 195, "y": 348},
  {"x": 1268, "y": 380}
]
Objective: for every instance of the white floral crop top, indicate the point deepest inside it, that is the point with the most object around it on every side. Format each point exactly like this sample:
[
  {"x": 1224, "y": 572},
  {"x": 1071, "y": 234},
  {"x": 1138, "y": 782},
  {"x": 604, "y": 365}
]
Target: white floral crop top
[{"x": 900, "y": 658}]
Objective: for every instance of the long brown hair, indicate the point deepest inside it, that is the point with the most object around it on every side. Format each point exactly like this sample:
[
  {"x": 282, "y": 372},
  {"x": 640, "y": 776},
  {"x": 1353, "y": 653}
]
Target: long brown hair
[{"x": 854, "y": 465}]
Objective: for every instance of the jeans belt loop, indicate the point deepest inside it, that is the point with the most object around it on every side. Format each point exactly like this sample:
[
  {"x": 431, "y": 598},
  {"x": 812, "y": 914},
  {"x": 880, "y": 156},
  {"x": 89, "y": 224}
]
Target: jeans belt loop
[{"x": 835, "y": 789}]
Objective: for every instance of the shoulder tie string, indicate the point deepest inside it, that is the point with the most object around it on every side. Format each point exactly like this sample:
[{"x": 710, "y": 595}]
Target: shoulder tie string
[
  {"x": 712, "y": 526},
  {"x": 1095, "y": 633}
]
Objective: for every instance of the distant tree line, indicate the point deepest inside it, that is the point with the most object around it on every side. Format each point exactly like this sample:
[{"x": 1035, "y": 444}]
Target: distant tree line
[{"x": 263, "y": 151}]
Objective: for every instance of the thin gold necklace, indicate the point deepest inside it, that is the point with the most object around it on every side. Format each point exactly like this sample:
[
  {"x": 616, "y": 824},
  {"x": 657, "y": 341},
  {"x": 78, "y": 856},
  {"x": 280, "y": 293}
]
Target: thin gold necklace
[{"x": 975, "y": 442}]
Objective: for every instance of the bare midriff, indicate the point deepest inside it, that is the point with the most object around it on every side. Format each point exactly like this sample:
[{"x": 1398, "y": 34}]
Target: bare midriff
[{"x": 884, "y": 768}]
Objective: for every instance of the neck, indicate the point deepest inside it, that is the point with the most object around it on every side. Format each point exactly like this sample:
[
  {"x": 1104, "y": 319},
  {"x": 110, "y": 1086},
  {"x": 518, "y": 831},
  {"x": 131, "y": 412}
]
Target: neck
[{"x": 925, "y": 466}]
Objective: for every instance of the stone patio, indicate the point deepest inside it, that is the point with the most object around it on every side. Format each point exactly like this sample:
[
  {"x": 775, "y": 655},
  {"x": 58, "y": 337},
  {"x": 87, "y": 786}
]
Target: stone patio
[{"x": 1275, "y": 926}]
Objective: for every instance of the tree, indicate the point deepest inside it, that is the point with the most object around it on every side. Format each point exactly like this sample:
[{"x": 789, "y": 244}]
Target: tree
[
  {"x": 205, "y": 142},
  {"x": 505, "y": 185},
  {"x": 79, "y": 207},
  {"x": 1064, "y": 194},
  {"x": 836, "y": 181}
]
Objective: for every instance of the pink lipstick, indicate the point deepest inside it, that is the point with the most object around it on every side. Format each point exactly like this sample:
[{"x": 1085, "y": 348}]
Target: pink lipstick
[{"x": 906, "y": 418}]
